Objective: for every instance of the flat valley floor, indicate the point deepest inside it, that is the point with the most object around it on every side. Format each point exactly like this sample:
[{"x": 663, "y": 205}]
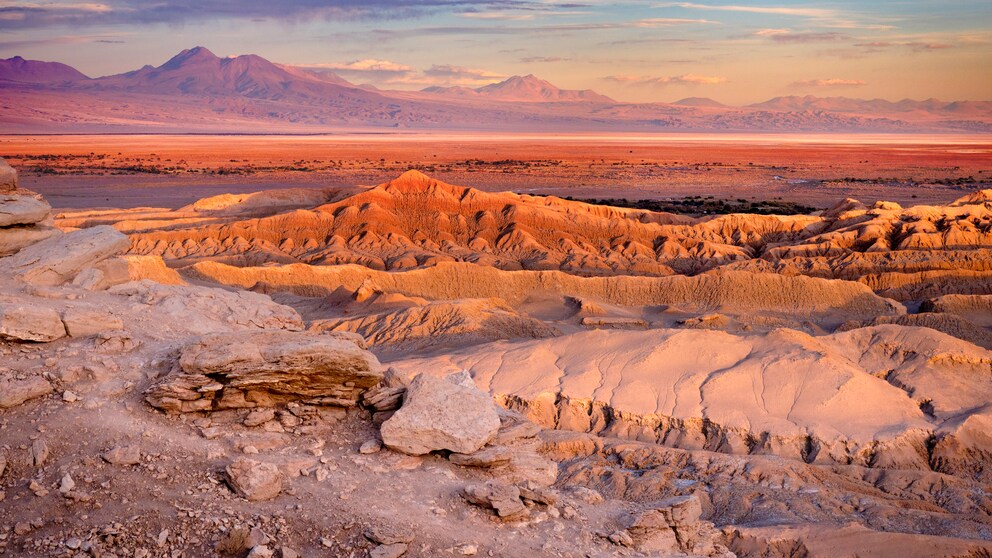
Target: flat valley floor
[{"x": 125, "y": 171}]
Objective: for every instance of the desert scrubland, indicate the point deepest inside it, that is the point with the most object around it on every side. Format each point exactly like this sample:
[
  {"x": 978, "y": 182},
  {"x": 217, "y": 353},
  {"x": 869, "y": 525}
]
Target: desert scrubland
[{"x": 395, "y": 347}]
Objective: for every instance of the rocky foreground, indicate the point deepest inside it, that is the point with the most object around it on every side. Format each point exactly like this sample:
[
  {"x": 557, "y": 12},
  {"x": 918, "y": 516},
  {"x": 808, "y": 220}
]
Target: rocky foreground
[{"x": 464, "y": 409}]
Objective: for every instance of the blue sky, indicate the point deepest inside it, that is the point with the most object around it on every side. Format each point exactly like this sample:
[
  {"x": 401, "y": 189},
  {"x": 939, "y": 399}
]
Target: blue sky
[{"x": 735, "y": 52}]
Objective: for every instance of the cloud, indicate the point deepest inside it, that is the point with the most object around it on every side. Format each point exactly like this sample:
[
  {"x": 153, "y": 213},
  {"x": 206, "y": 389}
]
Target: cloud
[
  {"x": 523, "y": 12},
  {"x": 801, "y": 12},
  {"x": 917, "y": 46},
  {"x": 789, "y": 36},
  {"x": 111, "y": 38},
  {"x": 544, "y": 59},
  {"x": 831, "y": 82},
  {"x": 370, "y": 65},
  {"x": 25, "y": 15},
  {"x": 671, "y": 21},
  {"x": 824, "y": 17},
  {"x": 389, "y": 73},
  {"x": 684, "y": 79},
  {"x": 447, "y": 74}
]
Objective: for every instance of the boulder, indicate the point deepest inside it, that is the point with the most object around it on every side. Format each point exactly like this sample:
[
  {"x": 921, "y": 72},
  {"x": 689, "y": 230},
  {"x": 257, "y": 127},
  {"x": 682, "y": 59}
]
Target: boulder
[
  {"x": 30, "y": 323},
  {"x": 16, "y": 209},
  {"x": 59, "y": 259},
  {"x": 14, "y": 392},
  {"x": 442, "y": 414},
  {"x": 8, "y": 177},
  {"x": 503, "y": 498},
  {"x": 123, "y": 455},
  {"x": 253, "y": 480},
  {"x": 265, "y": 368}
]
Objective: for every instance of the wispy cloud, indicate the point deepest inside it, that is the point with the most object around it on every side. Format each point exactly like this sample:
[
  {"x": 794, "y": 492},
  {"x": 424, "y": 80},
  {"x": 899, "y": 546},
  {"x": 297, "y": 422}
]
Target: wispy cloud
[
  {"x": 544, "y": 59},
  {"x": 22, "y": 15},
  {"x": 389, "y": 73},
  {"x": 767, "y": 10},
  {"x": 831, "y": 82},
  {"x": 447, "y": 74},
  {"x": 684, "y": 79},
  {"x": 789, "y": 36},
  {"x": 823, "y": 17},
  {"x": 107, "y": 38}
]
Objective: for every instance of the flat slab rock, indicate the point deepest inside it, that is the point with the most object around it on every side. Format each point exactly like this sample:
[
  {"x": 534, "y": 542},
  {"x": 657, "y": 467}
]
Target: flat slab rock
[
  {"x": 265, "y": 368},
  {"x": 442, "y": 414},
  {"x": 21, "y": 322},
  {"x": 58, "y": 259}
]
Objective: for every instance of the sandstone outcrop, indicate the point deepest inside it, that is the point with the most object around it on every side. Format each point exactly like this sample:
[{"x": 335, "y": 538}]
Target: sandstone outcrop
[
  {"x": 676, "y": 525},
  {"x": 265, "y": 368},
  {"x": 203, "y": 310},
  {"x": 416, "y": 221},
  {"x": 58, "y": 260},
  {"x": 442, "y": 414}
]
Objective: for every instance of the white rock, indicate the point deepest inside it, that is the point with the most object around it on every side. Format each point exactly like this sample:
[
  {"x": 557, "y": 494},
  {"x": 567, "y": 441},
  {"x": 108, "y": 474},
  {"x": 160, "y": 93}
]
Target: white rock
[
  {"x": 440, "y": 414},
  {"x": 59, "y": 259},
  {"x": 17, "y": 209},
  {"x": 67, "y": 484}
]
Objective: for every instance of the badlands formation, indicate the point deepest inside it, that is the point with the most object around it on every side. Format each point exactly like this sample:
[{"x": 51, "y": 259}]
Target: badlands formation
[{"x": 421, "y": 369}]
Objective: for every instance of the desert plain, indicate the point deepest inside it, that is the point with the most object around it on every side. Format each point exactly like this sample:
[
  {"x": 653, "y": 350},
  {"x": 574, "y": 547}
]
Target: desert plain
[{"x": 429, "y": 345}]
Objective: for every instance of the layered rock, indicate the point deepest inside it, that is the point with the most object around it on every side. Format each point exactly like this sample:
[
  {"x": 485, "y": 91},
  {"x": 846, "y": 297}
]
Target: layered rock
[
  {"x": 676, "y": 525},
  {"x": 415, "y": 221},
  {"x": 454, "y": 322},
  {"x": 265, "y": 368},
  {"x": 732, "y": 290}
]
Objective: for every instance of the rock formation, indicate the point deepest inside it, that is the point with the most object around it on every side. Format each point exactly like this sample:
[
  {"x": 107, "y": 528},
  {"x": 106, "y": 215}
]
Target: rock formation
[
  {"x": 774, "y": 404},
  {"x": 260, "y": 369}
]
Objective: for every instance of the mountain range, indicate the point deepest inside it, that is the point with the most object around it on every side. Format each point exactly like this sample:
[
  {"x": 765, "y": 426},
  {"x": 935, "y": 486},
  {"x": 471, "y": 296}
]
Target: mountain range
[{"x": 197, "y": 91}]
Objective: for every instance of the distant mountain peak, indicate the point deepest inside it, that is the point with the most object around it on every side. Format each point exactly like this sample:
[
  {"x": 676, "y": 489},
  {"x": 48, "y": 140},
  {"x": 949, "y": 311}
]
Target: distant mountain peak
[
  {"x": 17, "y": 69},
  {"x": 699, "y": 102},
  {"x": 528, "y": 88},
  {"x": 191, "y": 55}
]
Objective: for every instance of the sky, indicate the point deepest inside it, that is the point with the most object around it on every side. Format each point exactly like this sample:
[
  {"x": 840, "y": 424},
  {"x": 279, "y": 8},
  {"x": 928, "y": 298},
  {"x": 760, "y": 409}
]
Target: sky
[{"x": 644, "y": 51}]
